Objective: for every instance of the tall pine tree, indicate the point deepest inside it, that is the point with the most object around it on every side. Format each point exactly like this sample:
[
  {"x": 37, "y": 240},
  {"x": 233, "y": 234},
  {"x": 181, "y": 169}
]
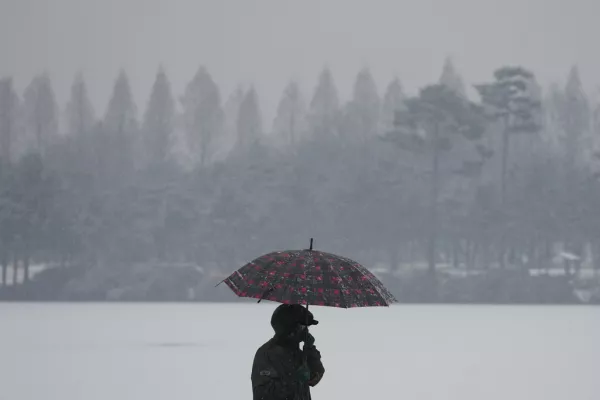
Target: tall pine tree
[
  {"x": 120, "y": 130},
  {"x": 290, "y": 121},
  {"x": 249, "y": 122},
  {"x": 41, "y": 119},
  {"x": 202, "y": 115},
  {"x": 158, "y": 121},
  {"x": 80, "y": 112},
  {"x": 575, "y": 117},
  {"x": 513, "y": 101},
  {"x": 452, "y": 79},
  {"x": 324, "y": 107},
  {"x": 9, "y": 103},
  {"x": 431, "y": 125},
  {"x": 362, "y": 113},
  {"x": 393, "y": 101}
]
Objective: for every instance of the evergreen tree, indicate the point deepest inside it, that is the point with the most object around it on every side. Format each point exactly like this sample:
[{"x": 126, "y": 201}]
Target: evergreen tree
[
  {"x": 575, "y": 117},
  {"x": 451, "y": 78},
  {"x": 80, "y": 121},
  {"x": 513, "y": 100},
  {"x": 249, "y": 124},
  {"x": 231, "y": 109},
  {"x": 79, "y": 110},
  {"x": 432, "y": 123},
  {"x": 552, "y": 104},
  {"x": 289, "y": 123},
  {"x": 203, "y": 116},
  {"x": 324, "y": 107},
  {"x": 158, "y": 121},
  {"x": 120, "y": 129},
  {"x": 9, "y": 103},
  {"x": 362, "y": 114},
  {"x": 40, "y": 114},
  {"x": 393, "y": 101}
]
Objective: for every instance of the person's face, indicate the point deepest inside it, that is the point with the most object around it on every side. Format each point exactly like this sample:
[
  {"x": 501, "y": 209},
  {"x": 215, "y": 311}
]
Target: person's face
[{"x": 298, "y": 332}]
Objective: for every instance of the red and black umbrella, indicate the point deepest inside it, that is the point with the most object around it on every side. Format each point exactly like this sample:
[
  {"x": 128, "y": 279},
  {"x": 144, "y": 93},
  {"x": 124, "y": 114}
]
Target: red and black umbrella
[{"x": 309, "y": 277}]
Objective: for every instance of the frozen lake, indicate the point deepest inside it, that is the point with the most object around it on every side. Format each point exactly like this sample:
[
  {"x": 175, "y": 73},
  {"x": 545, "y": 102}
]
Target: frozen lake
[{"x": 205, "y": 351}]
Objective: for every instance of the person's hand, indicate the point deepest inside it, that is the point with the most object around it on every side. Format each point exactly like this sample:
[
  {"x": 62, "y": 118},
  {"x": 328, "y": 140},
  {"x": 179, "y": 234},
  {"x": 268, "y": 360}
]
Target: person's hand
[
  {"x": 309, "y": 340},
  {"x": 303, "y": 374},
  {"x": 314, "y": 379}
]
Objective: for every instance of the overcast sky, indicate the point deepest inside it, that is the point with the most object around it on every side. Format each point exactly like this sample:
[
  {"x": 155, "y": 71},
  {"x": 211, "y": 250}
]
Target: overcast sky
[{"x": 266, "y": 42}]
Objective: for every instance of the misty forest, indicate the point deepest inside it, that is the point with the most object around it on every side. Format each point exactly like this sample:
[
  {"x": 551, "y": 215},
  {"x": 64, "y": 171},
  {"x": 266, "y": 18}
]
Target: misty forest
[{"x": 462, "y": 192}]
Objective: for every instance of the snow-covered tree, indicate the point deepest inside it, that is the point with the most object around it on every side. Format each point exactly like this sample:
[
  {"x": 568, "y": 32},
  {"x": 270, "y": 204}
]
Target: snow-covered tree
[
  {"x": 249, "y": 122},
  {"x": 41, "y": 119},
  {"x": 121, "y": 113},
  {"x": 203, "y": 116},
  {"x": 9, "y": 103},
  {"x": 120, "y": 128},
  {"x": 290, "y": 122},
  {"x": 431, "y": 125},
  {"x": 79, "y": 110},
  {"x": 512, "y": 99},
  {"x": 575, "y": 118},
  {"x": 452, "y": 79},
  {"x": 158, "y": 122},
  {"x": 362, "y": 113},
  {"x": 324, "y": 107},
  {"x": 393, "y": 101}
]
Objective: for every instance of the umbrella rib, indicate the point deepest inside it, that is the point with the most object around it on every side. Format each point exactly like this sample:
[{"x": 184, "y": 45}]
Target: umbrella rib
[{"x": 342, "y": 295}]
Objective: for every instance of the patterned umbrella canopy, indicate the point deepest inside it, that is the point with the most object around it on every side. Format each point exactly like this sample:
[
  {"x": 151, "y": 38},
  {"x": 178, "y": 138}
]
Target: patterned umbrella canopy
[{"x": 309, "y": 277}]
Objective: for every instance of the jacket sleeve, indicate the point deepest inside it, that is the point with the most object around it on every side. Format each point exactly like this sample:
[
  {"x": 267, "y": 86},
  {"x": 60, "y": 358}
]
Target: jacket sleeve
[
  {"x": 313, "y": 358},
  {"x": 272, "y": 377}
]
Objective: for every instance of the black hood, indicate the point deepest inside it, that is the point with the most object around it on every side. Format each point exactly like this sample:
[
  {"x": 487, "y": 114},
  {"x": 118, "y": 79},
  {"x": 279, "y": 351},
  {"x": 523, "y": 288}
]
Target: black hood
[{"x": 287, "y": 316}]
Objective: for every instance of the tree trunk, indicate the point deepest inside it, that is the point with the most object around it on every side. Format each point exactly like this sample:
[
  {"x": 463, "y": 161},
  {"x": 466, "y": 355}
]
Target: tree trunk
[
  {"x": 504, "y": 166},
  {"x": 4, "y": 270},
  {"x": 595, "y": 258},
  {"x": 548, "y": 256},
  {"x": 431, "y": 247},
  {"x": 433, "y": 210},
  {"x": 15, "y": 278},
  {"x": 394, "y": 257},
  {"x": 26, "y": 269},
  {"x": 456, "y": 253},
  {"x": 473, "y": 255},
  {"x": 292, "y": 129},
  {"x": 26, "y": 263},
  {"x": 503, "y": 179}
]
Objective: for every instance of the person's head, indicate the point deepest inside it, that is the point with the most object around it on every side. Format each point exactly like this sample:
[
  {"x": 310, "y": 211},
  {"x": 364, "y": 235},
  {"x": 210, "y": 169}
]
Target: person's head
[{"x": 290, "y": 321}]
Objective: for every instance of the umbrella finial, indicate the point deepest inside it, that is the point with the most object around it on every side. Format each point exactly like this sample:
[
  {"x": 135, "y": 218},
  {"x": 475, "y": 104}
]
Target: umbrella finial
[{"x": 311, "y": 243}]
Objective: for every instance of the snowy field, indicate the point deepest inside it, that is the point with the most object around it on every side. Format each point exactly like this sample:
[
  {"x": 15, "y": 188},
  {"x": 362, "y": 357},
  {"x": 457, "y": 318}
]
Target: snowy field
[{"x": 204, "y": 352}]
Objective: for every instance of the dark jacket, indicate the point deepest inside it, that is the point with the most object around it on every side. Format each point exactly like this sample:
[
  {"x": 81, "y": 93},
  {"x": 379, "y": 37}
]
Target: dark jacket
[{"x": 274, "y": 370}]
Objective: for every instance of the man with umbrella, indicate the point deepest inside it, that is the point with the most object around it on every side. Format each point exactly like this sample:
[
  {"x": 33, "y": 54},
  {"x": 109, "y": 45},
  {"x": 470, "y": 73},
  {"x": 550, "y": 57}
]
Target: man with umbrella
[{"x": 281, "y": 371}]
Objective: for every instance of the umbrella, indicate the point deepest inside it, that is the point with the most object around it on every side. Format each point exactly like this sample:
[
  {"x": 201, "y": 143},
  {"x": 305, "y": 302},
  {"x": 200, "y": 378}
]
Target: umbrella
[{"x": 309, "y": 277}]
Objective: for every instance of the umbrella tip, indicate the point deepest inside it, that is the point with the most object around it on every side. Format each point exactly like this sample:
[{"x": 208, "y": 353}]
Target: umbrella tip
[{"x": 311, "y": 243}]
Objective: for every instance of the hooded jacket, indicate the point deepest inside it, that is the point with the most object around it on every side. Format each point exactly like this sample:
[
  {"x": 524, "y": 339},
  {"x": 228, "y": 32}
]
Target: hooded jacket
[{"x": 276, "y": 362}]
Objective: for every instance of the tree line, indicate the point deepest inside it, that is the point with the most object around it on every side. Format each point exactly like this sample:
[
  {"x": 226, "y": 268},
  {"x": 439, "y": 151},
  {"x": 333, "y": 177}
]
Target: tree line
[{"x": 499, "y": 174}]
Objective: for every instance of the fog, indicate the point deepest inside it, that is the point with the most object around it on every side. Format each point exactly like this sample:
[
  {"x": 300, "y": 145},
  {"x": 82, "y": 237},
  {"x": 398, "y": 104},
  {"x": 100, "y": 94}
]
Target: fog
[
  {"x": 148, "y": 149},
  {"x": 267, "y": 42}
]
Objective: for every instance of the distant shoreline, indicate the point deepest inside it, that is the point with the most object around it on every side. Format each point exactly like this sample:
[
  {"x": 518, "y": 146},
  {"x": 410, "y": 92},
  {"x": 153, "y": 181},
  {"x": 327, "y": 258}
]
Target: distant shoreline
[
  {"x": 154, "y": 284},
  {"x": 250, "y": 302}
]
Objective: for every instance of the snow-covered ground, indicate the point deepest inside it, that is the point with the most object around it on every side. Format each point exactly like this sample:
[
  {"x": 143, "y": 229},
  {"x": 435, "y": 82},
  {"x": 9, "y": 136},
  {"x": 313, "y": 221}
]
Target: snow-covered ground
[{"x": 204, "y": 351}]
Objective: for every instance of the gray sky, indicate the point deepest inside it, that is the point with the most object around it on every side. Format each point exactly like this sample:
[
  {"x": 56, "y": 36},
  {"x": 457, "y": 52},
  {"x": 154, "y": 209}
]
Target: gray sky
[{"x": 266, "y": 42}]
